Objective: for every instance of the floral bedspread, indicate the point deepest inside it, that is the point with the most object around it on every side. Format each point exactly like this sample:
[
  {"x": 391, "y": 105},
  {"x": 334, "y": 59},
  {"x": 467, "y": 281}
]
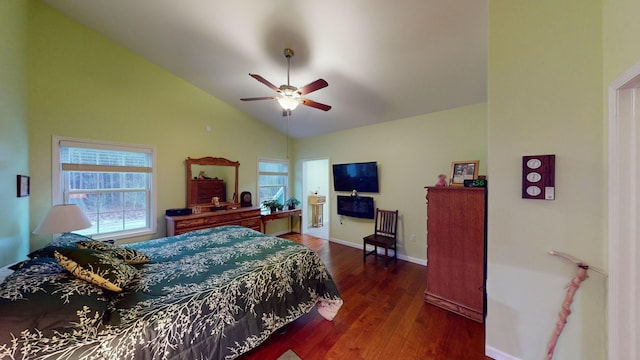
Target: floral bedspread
[{"x": 209, "y": 294}]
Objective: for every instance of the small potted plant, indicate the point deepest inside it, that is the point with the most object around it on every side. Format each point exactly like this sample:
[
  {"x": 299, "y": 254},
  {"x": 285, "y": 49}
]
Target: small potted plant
[
  {"x": 292, "y": 203},
  {"x": 273, "y": 205}
]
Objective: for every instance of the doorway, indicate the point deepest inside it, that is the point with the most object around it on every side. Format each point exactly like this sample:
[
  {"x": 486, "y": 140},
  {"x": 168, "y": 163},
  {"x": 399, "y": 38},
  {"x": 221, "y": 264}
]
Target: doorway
[
  {"x": 624, "y": 209},
  {"x": 315, "y": 180}
]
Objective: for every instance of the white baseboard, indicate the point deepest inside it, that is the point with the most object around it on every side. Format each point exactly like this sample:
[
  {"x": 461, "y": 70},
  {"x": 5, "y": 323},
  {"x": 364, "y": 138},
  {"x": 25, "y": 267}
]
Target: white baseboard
[
  {"x": 497, "y": 354},
  {"x": 400, "y": 256}
]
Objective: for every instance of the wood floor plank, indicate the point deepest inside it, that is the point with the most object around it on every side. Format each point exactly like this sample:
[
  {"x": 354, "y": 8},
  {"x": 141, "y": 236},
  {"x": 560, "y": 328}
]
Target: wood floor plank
[{"x": 384, "y": 316}]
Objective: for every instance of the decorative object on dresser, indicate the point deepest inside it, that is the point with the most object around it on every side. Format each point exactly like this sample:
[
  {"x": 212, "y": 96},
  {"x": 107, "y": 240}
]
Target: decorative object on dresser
[
  {"x": 179, "y": 212},
  {"x": 442, "y": 180},
  {"x": 475, "y": 183},
  {"x": 385, "y": 235},
  {"x": 463, "y": 170},
  {"x": 456, "y": 250},
  {"x": 245, "y": 199}
]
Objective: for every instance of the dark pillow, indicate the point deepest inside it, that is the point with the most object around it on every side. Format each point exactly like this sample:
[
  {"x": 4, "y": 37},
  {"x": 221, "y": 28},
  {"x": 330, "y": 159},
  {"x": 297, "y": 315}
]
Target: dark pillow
[
  {"x": 47, "y": 251},
  {"x": 18, "y": 265},
  {"x": 42, "y": 295},
  {"x": 130, "y": 256},
  {"x": 98, "y": 267},
  {"x": 68, "y": 239}
]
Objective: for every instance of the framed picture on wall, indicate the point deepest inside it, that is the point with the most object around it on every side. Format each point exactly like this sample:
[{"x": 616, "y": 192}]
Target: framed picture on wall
[
  {"x": 463, "y": 170},
  {"x": 23, "y": 185}
]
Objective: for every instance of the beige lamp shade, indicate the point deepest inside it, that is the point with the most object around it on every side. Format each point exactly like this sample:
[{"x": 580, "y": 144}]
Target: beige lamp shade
[{"x": 63, "y": 218}]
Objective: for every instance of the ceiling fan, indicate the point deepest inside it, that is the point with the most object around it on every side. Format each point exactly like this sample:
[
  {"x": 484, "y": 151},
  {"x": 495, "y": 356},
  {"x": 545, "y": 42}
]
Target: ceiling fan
[{"x": 290, "y": 96}]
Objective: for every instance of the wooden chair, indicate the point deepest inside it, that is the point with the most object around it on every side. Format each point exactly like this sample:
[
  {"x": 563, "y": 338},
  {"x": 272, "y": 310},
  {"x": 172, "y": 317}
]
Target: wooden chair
[{"x": 385, "y": 235}]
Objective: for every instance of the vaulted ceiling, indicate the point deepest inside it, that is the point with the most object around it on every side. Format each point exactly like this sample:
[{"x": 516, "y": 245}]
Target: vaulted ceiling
[{"x": 384, "y": 60}]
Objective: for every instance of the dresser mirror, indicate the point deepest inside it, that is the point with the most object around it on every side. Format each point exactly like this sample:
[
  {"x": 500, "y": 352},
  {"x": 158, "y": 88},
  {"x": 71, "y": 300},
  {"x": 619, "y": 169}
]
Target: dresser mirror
[{"x": 212, "y": 183}]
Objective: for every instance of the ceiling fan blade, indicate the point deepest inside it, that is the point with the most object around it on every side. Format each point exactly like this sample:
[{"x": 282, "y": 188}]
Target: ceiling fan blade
[
  {"x": 259, "y": 98},
  {"x": 316, "y": 85},
  {"x": 315, "y": 104},
  {"x": 266, "y": 82}
]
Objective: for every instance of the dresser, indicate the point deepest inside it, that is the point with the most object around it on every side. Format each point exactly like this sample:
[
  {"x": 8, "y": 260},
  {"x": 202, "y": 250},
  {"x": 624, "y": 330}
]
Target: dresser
[
  {"x": 244, "y": 216},
  {"x": 456, "y": 250}
]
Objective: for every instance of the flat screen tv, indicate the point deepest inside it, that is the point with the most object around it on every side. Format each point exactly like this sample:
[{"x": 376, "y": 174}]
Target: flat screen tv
[
  {"x": 356, "y": 206},
  {"x": 362, "y": 177}
]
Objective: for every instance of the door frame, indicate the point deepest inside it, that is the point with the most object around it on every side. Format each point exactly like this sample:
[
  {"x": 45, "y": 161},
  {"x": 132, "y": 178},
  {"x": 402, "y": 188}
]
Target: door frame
[
  {"x": 624, "y": 208},
  {"x": 307, "y": 190}
]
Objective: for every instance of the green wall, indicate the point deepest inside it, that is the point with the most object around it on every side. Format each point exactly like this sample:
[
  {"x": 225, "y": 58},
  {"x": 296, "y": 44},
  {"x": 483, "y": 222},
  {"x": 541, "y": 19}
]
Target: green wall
[
  {"x": 410, "y": 153},
  {"x": 14, "y": 151},
  {"x": 621, "y": 29},
  {"x": 545, "y": 97},
  {"x": 85, "y": 86}
]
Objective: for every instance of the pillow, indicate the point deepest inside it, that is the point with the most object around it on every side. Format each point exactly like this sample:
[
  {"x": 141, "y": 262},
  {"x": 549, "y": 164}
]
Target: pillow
[
  {"x": 42, "y": 298},
  {"x": 97, "y": 267},
  {"x": 68, "y": 239},
  {"x": 130, "y": 256},
  {"x": 65, "y": 240},
  {"x": 46, "y": 252}
]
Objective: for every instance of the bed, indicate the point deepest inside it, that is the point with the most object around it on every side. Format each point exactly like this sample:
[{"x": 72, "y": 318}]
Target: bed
[{"x": 209, "y": 294}]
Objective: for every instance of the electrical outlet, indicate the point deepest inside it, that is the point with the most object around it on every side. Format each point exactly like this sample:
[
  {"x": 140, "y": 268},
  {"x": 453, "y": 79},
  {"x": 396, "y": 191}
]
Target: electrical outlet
[{"x": 412, "y": 238}]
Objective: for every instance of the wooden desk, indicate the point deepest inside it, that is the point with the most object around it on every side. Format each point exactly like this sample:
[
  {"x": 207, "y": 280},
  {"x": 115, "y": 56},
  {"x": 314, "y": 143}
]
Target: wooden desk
[{"x": 266, "y": 217}]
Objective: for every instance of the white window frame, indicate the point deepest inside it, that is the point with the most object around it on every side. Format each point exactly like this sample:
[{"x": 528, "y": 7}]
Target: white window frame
[
  {"x": 57, "y": 186},
  {"x": 288, "y": 174}
]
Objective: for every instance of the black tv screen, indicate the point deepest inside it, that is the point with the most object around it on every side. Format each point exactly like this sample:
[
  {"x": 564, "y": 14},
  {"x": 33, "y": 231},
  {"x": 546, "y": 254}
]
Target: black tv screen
[
  {"x": 356, "y": 206},
  {"x": 362, "y": 177}
]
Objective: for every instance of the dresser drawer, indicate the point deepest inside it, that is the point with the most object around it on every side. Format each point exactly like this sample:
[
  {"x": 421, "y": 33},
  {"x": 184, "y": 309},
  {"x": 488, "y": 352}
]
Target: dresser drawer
[
  {"x": 251, "y": 223},
  {"x": 190, "y": 223},
  {"x": 224, "y": 218}
]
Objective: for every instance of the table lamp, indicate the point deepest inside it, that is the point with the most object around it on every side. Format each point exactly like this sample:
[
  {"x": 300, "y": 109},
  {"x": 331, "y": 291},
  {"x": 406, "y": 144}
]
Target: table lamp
[{"x": 63, "y": 218}]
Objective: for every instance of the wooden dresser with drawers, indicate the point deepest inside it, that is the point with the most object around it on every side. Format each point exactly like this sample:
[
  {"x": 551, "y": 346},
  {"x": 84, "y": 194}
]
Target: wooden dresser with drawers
[{"x": 243, "y": 216}]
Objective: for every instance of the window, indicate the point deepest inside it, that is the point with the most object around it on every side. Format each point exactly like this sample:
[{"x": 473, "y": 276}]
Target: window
[
  {"x": 112, "y": 183},
  {"x": 273, "y": 180}
]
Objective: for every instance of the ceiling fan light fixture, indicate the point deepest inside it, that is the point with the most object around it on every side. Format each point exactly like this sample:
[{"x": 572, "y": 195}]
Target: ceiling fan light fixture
[
  {"x": 290, "y": 96},
  {"x": 288, "y": 102}
]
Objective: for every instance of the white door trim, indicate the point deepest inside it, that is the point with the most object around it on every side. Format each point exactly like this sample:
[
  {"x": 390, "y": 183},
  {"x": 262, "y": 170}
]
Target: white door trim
[{"x": 624, "y": 207}]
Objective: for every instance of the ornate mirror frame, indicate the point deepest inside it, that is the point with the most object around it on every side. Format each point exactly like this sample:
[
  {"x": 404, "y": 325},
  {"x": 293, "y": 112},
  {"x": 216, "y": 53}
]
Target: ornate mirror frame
[{"x": 214, "y": 161}]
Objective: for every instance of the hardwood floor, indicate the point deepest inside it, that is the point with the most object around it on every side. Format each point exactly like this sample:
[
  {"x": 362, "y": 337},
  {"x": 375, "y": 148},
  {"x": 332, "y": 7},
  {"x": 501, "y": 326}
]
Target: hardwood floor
[{"x": 384, "y": 316}]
